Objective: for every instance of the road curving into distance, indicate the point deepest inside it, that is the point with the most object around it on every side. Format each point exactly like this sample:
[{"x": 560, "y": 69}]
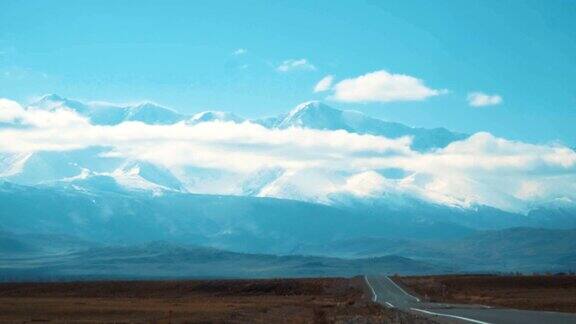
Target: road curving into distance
[{"x": 386, "y": 292}]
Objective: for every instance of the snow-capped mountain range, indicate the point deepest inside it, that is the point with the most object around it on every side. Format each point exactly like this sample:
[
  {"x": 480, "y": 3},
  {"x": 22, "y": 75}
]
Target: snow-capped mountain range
[
  {"x": 101, "y": 113},
  {"x": 312, "y": 114},
  {"x": 325, "y": 181},
  {"x": 79, "y": 166},
  {"x": 317, "y": 115},
  {"x": 99, "y": 168}
]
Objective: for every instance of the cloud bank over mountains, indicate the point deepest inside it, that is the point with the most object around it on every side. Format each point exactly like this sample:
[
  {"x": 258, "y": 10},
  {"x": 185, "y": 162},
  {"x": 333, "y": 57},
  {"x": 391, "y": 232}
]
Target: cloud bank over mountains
[{"x": 314, "y": 153}]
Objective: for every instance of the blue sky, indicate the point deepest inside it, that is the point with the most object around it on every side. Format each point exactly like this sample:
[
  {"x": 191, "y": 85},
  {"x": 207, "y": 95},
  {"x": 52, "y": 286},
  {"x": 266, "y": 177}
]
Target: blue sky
[{"x": 182, "y": 54}]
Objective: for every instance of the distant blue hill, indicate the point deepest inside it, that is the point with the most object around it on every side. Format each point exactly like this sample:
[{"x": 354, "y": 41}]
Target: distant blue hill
[{"x": 434, "y": 234}]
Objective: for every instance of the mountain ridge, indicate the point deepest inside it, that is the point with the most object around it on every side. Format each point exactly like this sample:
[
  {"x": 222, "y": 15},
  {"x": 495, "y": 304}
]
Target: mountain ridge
[
  {"x": 309, "y": 114},
  {"x": 166, "y": 260},
  {"x": 60, "y": 167},
  {"x": 94, "y": 170}
]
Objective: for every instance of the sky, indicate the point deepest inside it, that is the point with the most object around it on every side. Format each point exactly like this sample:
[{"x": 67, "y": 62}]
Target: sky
[{"x": 505, "y": 67}]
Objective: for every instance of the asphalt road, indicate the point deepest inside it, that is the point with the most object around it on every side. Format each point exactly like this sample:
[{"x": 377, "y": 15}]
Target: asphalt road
[{"x": 387, "y": 293}]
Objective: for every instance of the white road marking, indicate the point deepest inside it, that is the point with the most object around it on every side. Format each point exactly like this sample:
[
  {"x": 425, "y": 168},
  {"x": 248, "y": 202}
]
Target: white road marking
[
  {"x": 447, "y": 315},
  {"x": 374, "y": 296},
  {"x": 402, "y": 290}
]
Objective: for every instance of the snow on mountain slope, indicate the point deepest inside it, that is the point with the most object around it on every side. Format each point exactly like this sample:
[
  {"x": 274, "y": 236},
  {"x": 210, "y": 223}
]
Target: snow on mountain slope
[
  {"x": 259, "y": 180},
  {"x": 208, "y": 116},
  {"x": 132, "y": 180},
  {"x": 111, "y": 114},
  {"x": 39, "y": 167},
  {"x": 85, "y": 167},
  {"x": 314, "y": 114},
  {"x": 102, "y": 113},
  {"x": 90, "y": 182},
  {"x": 152, "y": 114},
  {"x": 144, "y": 175},
  {"x": 54, "y": 101},
  {"x": 45, "y": 167},
  {"x": 12, "y": 163},
  {"x": 131, "y": 176},
  {"x": 298, "y": 186},
  {"x": 269, "y": 122}
]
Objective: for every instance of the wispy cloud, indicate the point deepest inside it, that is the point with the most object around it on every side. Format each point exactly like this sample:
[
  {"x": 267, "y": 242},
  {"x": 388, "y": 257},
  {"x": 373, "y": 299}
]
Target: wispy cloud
[
  {"x": 324, "y": 84},
  {"x": 480, "y": 99},
  {"x": 382, "y": 86},
  {"x": 295, "y": 65},
  {"x": 240, "y": 51}
]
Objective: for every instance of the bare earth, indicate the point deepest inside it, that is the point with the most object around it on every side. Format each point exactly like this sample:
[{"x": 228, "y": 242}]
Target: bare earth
[
  {"x": 547, "y": 293},
  {"x": 334, "y": 300}
]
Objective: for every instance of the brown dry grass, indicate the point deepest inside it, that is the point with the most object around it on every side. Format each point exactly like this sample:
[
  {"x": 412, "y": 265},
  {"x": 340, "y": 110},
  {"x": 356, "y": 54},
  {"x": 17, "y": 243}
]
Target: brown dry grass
[
  {"x": 551, "y": 293},
  {"x": 335, "y": 300}
]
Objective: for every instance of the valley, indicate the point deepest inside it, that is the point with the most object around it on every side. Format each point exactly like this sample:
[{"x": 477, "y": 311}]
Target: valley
[
  {"x": 108, "y": 234},
  {"x": 349, "y": 162}
]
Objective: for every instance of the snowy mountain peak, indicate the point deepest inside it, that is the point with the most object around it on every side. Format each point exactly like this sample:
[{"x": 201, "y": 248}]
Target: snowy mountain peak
[
  {"x": 310, "y": 114},
  {"x": 314, "y": 104},
  {"x": 100, "y": 113},
  {"x": 150, "y": 106},
  {"x": 151, "y": 113},
  {"x": 144, "y": 175},
  {"x": 316, "y": 115},
  {"x": 207, "y": 116},
  {"x": 51, "y": 97},
  {"x": 308, "y": 107},
  {"x": 54, "y": 101}
]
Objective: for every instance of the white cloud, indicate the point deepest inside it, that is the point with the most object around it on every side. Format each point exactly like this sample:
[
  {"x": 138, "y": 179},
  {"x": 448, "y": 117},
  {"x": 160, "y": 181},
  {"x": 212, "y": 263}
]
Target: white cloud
[
  {"x": 10, "y": 111},
  {"x": 324, "y": 84},
  {"x": 368, "y": 183},
  {"x": 482, "y": 169},
  {"x": 240, "y": 51},
  {"x": 247, "y": 146},
  {"x": 382, "y": 86},
  {"x": 480, "y": 99},
  {"x": 295, "y": 65}
]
